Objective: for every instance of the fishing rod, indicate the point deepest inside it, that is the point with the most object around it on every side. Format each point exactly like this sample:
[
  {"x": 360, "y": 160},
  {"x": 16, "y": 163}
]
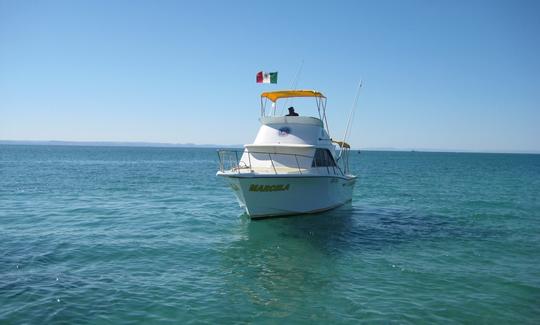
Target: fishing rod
[{"x": 351, "y": 117}]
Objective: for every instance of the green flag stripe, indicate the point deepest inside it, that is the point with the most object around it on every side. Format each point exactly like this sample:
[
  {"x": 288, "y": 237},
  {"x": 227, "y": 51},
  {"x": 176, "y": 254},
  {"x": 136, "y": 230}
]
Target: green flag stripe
[{"x": 273, "y": 77}]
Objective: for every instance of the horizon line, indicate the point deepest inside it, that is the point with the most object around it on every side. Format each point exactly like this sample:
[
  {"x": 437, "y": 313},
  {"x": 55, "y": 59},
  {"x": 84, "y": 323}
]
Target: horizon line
[{"x": 195, "y": 145}]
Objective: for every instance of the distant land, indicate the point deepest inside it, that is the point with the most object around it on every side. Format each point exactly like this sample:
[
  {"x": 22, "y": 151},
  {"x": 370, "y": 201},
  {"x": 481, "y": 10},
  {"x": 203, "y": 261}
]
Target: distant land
[
  {"x": 117, "y": 144},
  {"x": 194, "y": 145}
]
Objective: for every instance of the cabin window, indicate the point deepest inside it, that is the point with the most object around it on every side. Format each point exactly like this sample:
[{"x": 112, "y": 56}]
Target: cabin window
[{"x": 323, "y": 158}]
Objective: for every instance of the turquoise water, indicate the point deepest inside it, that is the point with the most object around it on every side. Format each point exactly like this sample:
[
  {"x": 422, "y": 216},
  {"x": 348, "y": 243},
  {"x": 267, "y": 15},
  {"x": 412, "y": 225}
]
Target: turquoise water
[{"x": 150, "y": 235}]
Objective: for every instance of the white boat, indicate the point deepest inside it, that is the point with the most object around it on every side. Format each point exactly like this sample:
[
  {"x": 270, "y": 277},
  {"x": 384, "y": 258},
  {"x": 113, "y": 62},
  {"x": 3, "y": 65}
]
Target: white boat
[{"x": 292, "y": 167}]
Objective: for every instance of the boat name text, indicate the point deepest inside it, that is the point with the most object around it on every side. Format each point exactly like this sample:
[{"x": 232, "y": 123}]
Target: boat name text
[{"x": 268, "y": 188}]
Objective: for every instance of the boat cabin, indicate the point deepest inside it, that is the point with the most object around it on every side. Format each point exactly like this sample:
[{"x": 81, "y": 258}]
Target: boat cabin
[{"x": 291, "y": 144}]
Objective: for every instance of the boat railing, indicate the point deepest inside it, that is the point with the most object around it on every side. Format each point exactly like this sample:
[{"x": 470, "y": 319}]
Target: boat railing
[{"x": 232, "y": 161}]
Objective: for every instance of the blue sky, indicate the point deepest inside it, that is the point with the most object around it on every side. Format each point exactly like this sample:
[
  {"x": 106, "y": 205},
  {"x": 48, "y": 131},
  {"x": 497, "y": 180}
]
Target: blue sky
[{"x": 437, "y": 74}]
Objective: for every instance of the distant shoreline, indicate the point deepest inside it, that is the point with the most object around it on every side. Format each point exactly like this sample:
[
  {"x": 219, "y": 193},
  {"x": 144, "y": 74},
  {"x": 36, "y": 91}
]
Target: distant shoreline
[
  {"x": 115, "y": 144},
  {"x": 234, "y": 146}
]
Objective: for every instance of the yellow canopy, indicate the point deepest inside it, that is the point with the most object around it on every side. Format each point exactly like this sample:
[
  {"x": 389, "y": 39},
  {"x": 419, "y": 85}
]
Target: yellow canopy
[
  {"x": 275, "y": 95},
  {"x": 342, "y": 144}
]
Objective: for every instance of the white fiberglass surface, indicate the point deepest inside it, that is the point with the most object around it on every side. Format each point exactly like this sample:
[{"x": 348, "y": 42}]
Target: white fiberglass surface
[
  {"x": 271, "y": 160},
  {"x": 289, "y": 133}
]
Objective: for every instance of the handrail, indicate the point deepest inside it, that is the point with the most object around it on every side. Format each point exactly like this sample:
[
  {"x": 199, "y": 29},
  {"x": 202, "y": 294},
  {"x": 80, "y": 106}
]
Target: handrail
[
  {"x": 234, "y": 162},
  {"x": 272, "y": 161},
  {"x": 220, "y": 161},
  {"x": 297, "y": 164}
]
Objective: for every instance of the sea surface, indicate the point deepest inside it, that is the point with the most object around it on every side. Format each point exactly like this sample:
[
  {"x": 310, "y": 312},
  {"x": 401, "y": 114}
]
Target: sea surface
[{"x": 123, "y": 235}]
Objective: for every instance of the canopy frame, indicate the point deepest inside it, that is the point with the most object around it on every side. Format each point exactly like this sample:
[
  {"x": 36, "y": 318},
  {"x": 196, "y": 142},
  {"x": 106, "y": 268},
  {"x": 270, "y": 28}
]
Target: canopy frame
[{"x": 274, "y": 96}]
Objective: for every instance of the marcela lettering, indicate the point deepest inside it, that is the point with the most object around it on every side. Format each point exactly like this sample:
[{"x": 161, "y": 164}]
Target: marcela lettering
[{"x": 268, "y": 188}]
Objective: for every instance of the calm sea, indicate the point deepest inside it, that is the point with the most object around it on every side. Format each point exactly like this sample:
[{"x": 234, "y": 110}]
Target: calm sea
[{"x": 92, "y": 235}]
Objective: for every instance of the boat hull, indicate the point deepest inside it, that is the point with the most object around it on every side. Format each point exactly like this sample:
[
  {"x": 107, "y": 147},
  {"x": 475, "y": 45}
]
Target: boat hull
[{"x": 288, "y": 195}]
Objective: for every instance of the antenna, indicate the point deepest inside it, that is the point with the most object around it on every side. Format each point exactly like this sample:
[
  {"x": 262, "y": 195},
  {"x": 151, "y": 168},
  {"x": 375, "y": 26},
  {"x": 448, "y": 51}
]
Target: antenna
[{"x": 293, "y": 85}]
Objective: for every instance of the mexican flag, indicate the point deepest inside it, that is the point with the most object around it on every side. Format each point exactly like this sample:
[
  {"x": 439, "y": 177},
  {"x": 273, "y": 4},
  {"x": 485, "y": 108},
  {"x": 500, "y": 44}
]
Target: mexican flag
[{"x": 267, "y": 77}]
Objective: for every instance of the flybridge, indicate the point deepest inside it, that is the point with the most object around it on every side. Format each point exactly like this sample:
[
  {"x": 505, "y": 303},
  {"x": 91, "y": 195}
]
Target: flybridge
[{"x": 274, "y": 96}]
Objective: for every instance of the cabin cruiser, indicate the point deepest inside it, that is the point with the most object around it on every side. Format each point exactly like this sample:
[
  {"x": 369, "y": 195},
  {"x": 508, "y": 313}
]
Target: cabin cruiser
[{"x": 293, "y": 166}]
